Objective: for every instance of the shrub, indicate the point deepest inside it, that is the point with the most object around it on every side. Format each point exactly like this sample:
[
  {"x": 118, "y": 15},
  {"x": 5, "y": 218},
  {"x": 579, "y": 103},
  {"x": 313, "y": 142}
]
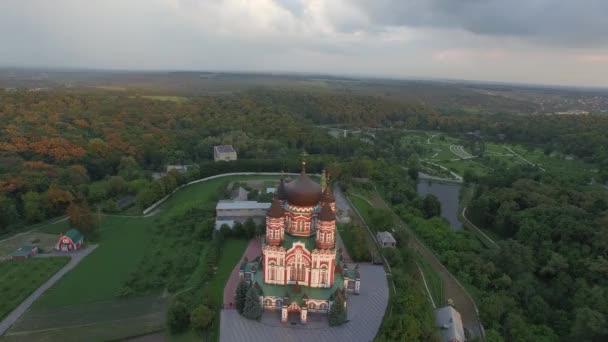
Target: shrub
[
  {"x": 178, "y": 317},
  {"x": 201, "y": 317}
]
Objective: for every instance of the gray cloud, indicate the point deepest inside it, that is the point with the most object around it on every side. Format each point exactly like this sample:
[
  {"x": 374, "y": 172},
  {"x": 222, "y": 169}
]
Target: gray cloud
[
  {"x": 430, "y": 38},
  {"x": 561, "y": 22}
]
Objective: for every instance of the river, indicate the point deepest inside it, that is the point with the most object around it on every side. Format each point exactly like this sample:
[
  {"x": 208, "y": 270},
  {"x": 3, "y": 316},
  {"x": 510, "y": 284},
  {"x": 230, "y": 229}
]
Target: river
[{"x": 447, "y": 193}]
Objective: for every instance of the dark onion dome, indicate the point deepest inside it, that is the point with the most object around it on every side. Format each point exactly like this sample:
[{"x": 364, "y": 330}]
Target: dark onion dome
[
  {"x": 303, "y": 191},
  {"x": 328, "y": 196},
  {"x": 281, "y": 192},
  {"x": 326, "y": 213},
  {"x": 275, "y": 211}
]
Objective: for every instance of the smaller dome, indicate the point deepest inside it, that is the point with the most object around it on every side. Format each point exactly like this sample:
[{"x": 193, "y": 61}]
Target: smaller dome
[
  {"x": 326, "y": 213},
  {"x": 328, "y": 196},
  {"x": 281, "y": 192},
  {"x": 276, "y": 211}
]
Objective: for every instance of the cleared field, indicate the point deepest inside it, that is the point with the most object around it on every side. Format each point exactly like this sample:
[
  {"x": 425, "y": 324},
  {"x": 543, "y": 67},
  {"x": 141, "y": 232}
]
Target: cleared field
[
  {"x": 112, "y": 330},
  {"x": 54, "y": 228},
  {"x": 19, "y": 278},
  {"x": 100, "y": 276},
  {"x": 433, "y": 281},
  {"x": 176, "y": 99},
  {"x": 44, "y": 241},
  {"x": 84, "y": 304},
  {"x": 112, "y": 88}
]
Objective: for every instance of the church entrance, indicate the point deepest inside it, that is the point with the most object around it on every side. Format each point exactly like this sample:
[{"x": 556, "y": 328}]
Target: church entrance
[{"x": 293, "y": 318}]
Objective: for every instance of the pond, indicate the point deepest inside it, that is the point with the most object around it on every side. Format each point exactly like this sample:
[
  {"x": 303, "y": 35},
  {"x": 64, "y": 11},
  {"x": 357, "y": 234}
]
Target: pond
[{"x": 447, "y": 193}]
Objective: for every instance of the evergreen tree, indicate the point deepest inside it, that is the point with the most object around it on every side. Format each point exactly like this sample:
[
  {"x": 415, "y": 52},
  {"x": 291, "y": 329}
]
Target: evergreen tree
[
  {"x": 241, "y": 295},
  {"x": 337, "y": 313},
  {"x": 253, "y": 308}
]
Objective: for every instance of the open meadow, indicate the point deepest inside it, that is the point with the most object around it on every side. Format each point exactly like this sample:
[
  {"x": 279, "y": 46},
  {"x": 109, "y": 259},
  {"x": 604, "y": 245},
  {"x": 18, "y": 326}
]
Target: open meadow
[
  {"x": 94, "y": 297},
  {"x": 19, "y": 278}
]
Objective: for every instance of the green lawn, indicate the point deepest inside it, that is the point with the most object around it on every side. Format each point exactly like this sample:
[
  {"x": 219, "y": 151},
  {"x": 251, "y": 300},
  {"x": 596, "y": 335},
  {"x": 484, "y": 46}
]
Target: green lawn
[
  {"x": 19, "y": 278},
  {"x": 433, "y": 281},
  {"x": 362, "y": 206},
  {"x": 231, "y": 254},
  {"x": 54, "y": 228},
  {"x": 203, "y": 193},
  {"x": 100, "y": 276}
]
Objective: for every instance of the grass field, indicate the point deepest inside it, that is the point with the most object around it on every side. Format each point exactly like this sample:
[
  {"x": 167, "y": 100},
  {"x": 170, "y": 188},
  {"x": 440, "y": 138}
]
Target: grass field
[
  {"x": 99, "y": 276},
  {"x": 231, "y": 254},
  {"x": 85, "y": 301},
  {"x": 433, "y": 281},
  {"x": 19, "y": 278}
]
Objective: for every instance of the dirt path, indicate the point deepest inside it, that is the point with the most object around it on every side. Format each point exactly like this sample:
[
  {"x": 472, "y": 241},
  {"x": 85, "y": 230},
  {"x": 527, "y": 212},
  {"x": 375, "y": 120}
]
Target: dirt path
[
  {"x": 253, "y": 251},
  {"x": 20, "y": 310},
  {"x": 463, "y": 302}
]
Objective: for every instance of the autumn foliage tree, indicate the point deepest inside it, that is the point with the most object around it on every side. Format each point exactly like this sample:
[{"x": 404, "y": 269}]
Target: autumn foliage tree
[{"x": 82, "y": 218}]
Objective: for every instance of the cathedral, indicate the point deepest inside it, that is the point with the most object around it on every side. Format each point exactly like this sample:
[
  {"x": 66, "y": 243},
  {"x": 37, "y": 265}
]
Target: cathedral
[{"x": 300, "y": 268}]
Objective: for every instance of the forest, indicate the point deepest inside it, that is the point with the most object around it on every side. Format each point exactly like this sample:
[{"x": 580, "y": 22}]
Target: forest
[{"x": 81, "y": 150}]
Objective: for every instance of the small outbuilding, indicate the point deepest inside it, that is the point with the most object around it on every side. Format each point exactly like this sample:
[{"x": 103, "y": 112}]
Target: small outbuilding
[
  {"x": 24, "y": 252},
  {"x": 70, "y": 241},
  {"x": 450, "y": 324},
  {"x": 386, "y": 239},
  {"x": 224, "y": 153}
]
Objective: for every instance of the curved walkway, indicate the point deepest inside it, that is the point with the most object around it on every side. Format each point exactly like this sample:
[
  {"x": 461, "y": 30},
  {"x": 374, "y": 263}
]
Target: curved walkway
[{"x": 18, "y": 311}]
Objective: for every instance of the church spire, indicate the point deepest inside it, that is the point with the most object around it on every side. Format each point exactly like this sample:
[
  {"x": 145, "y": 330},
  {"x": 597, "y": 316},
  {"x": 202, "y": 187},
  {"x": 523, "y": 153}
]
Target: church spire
[{"x": 323, "y": 181}]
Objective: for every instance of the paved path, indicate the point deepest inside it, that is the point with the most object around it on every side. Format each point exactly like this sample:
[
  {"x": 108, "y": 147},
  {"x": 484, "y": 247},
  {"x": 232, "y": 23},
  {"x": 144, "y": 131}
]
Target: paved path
[
  {"x": 20, "y": 310},
  {"x": 365, "y": 313},
  {"x": 253, "y": 251}
]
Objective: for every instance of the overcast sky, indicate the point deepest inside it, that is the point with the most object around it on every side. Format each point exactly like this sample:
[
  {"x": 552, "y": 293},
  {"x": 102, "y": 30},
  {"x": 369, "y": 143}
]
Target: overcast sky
[{"x": 535, "y": 41}]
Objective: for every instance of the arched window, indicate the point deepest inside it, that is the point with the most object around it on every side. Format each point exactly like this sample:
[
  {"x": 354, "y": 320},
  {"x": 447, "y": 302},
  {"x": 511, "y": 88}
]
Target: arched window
[
  {"x": 323, "y": 277},
  {"x": 267, "y": 302},
  {"x": 311, "y": 306},
  {"x": 272, "y": 273},
  {"x": 292, "y": 273},
  {"x": 301, "y": 273}
]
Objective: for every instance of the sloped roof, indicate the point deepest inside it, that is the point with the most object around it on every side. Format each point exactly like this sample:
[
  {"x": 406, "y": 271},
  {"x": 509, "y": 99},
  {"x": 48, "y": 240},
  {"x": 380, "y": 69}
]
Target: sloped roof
[
  {"x": 74, "y": 235},
  {"x": 385, "y": 237},
  {"x": 450, "y": 324},
  {"x": 224, "y": 148},
  {"x": 24, "y": 250},
  {"x": 222, "y": 205}
]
